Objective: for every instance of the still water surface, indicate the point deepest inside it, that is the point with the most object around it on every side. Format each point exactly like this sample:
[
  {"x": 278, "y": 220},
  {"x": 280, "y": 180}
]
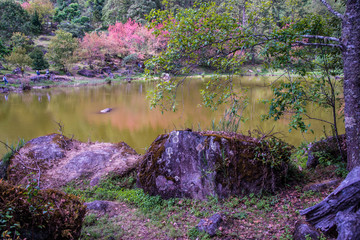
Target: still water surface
[{"x": 35, "y": 113}]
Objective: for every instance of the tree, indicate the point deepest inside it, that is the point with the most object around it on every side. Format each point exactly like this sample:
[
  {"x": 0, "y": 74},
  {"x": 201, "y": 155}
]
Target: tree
[
  {"x": 13, "y": 18},
  {"x": 36, "y": 26},
  {"x": 19, "y": 39},
  {"x": 61, "y": 49},
  {"x": 19, "y": 58},
  {"x": 3, "y": 50},
  {"x": 227, "y": 42},
  {"x": 38, "y": 60},
  {"x": 44, "y": 9}
]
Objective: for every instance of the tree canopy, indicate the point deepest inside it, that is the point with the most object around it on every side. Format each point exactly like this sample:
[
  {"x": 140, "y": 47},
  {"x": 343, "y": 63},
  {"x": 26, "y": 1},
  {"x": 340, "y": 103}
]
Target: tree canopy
[{"x": 217, "y": 35}]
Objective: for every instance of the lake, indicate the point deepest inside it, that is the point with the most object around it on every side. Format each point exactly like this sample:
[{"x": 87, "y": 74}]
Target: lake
[{"x": 37, "y": 112}]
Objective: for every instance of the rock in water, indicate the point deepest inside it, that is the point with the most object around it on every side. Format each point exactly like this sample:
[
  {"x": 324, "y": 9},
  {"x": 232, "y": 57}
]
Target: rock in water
[
  {"x": 196, "y": 165},
  {"x": 106, "y": 110}
]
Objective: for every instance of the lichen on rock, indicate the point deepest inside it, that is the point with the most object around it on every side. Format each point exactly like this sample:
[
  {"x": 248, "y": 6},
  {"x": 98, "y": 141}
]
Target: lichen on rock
[{"x": 199, "y": 164}]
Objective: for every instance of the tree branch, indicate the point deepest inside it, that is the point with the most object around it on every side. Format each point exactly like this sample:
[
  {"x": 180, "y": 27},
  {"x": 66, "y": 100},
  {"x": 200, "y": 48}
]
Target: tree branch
[
  {"x": 321, "y": 37},
  {"x": 317, "y": 44},
  {"x": 328, "y": 6}
]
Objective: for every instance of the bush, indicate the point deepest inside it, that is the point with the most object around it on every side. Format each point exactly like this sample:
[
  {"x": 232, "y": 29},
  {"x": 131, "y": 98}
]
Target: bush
[{"x": 39, "y": 214}]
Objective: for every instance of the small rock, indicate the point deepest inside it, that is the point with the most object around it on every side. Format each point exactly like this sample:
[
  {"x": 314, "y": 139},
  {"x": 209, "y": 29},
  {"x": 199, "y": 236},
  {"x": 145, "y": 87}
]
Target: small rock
[
  {"x": 318, "y": 187},
  {"x": 106, "y": 110},
  {"x": 304, "y": 231},
  {"x": 210, "y": 225},
  {"x": 87, "y": 73},
  {"x": 97, "y": 205}
]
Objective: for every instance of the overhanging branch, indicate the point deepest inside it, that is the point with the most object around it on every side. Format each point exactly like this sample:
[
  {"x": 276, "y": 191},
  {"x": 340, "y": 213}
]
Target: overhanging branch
[
  {"x": 322, "y": 37},
  {"x": 328, "y": 6},
  {"x": 297, "y": 43}
]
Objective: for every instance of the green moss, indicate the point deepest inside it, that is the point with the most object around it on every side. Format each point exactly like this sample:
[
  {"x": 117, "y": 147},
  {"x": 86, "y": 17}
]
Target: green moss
[
  {"x": 148, "y": 171},
  {"x": 41, "y": 214}
]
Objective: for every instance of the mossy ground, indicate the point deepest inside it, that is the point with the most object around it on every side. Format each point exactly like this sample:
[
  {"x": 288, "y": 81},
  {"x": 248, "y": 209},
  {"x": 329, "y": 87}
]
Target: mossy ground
[{"x": 147, "y": 217}]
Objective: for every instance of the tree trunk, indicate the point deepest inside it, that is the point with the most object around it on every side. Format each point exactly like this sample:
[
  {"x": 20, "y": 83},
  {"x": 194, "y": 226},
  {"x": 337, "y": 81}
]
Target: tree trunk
[{"x": 351, "y": 58}]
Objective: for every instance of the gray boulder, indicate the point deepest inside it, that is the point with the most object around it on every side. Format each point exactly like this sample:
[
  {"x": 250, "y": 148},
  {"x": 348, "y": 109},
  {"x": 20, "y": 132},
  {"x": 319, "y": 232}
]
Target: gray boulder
[
  {"x": 210, "y": 225},
  {"x": 321, "y": 186},
  {"x": 57, "y": 160},
  {"x": 339, "y": 210},
  {"x": 348, "y": 225},
  {"x": 87, "y": 73},
  {"x": 196, "y": 165},
  {"x": 39, "y": 78},
  {"x": 328, "y": 145},
  {"x": 304, "y": 231}
]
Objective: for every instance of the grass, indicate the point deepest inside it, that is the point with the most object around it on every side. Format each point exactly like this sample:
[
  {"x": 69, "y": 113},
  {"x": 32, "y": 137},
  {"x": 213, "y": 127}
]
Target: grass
[{"x": 245, "y": 217}]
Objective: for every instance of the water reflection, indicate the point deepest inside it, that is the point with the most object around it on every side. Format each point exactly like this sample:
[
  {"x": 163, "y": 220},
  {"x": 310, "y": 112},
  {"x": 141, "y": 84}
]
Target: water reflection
[{"x": 28, "y": 116}]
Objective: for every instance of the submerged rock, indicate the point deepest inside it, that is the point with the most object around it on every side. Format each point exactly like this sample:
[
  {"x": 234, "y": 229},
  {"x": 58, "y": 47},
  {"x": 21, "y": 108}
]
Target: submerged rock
[
  {"x": 106, "y": 110},
  {"x": 196, "y": 165},
  {"x": 57, "y": 160}
]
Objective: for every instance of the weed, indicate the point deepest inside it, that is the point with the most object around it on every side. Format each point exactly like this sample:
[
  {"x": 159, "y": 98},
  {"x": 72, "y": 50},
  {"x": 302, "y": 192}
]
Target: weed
[
  {"x": 194, "y": 233},
  {"x": 240, "y": 215},
  {"x": 100, "y": 228}
]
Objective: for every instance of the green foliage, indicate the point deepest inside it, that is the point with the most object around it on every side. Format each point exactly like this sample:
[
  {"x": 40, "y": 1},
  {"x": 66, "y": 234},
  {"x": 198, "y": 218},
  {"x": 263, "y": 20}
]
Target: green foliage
[
  {"x": 194, "y": 233},
  {"x": 12, "y": 150},
  {"x": 326, "y": 158},
  {"x": 47, "y": 212},
  {"x": 13, "y": 18},
  {"x": 38, "y": 60},
  {"x": 21, "y": 40},
  {"x": 300, "y": 155},
  {"x": 273, "y": 151},
  {"x": 66, "y": 12},
  {"x": 95, "y": 227},
  {"x": 36, "y": 26},
  {"x": 132, "y": 58},
  {"x": 78, "y": 27},
  {"x": 233, "y": 116},
  {"x": 115, "y": 11},
  {"x": 3, "y": 49},
  {"x": 19, "y": 58},
  {"x": 61, "y": 49}
]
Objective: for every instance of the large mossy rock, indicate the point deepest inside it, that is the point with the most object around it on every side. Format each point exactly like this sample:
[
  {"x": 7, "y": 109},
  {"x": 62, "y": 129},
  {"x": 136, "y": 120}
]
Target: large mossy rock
[
  {"x": 39, "y": 214},
  {"x": 57, "y": 160},
  {"x": 328, "y": 146},
  {"x": 199, "y": 164}
]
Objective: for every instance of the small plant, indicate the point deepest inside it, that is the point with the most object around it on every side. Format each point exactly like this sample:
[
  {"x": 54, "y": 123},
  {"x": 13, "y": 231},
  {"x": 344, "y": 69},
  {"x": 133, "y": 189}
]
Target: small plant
[
  {"x": 194, "y": 233},
  {"x": 240, "y": 215}
]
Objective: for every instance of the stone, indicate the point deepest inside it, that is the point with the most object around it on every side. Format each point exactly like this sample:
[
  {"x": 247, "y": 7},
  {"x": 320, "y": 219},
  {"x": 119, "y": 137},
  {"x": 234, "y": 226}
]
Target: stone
[
  {"x": 210, "y": 225},
  {"x": 60, "y": 160},
  {"x": 199, "y": 164},
  {"x": 348, "y": 225},
  {"x": 106, "y": 110},
  {"x": 87, "y": 73},
  {"x": 326, "y": 215},
  {"x": 97, "y": 205},
  {"x": 304, "y": 231},
  {"x": 321, "y": 186},
  {"x": 39, "y": 78},
  {"x": 328, "y": 145}
]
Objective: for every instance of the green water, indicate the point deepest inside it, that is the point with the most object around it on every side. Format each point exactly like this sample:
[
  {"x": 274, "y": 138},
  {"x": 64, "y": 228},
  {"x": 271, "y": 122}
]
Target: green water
[{"x": 35, "y": 113}]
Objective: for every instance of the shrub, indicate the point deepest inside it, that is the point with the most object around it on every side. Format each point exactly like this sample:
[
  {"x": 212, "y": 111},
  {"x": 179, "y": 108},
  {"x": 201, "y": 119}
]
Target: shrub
[{"x": 39, "y": 214}]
